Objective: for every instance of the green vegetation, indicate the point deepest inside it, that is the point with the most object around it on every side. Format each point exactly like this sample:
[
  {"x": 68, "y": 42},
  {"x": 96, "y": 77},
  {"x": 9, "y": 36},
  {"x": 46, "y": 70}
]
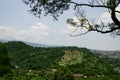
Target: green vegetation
[
  {"x": 71, "y": 57},
  {"x": 58, "y": 63},
  {"x": 63, "y": 73},
  {"x": 5, "y": 66}
]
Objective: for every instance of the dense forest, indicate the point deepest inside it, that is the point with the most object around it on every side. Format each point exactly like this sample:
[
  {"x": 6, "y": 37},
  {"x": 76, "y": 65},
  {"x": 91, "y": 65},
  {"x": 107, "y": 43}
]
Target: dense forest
[{"x": 58, "y": 63}]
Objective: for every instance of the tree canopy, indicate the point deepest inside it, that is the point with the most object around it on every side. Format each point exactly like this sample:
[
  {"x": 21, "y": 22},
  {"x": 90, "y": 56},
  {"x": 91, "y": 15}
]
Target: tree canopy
[
  {"x": 5, "y": 66},
  {"x": 56, "y": 7}
]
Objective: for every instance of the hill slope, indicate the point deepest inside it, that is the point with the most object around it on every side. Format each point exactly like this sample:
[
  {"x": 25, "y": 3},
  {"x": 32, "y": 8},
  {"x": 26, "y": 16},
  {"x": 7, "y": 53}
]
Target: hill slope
[{"x": 79, "y": 60}]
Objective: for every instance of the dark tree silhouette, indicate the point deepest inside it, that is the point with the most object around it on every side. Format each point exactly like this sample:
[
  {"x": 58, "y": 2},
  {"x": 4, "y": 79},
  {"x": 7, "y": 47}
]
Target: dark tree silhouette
[{"x": 57, "y": 7}]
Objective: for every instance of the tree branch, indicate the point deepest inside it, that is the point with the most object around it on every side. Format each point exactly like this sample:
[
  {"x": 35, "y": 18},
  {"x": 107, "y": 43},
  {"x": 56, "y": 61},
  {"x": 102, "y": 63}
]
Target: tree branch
[
  {"x": 80, "y": 34},
  {"x": 108, "y": 31},
  {"x": 117, "y": 11},
  {"x": 112, "y": 8},
  {"x": 89, "y": 5},
  {"x": 113, "y": 16}
]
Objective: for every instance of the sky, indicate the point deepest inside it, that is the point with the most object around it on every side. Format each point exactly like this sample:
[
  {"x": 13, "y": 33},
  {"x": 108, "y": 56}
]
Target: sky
[{"x": 16, "y": 23}]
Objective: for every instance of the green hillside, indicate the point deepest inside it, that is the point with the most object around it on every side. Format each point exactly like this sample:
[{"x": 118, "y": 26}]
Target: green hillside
[{"x": 35, "y": 63}]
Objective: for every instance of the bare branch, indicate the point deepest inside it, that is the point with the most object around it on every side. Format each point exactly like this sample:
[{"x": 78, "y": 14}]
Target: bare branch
[
  {"x": 76, "y": 29},
  {"x": 114, "y": 18},
  {"x": 103, "y": 2},
  {"x": 101, "y": 28},
  {"x": 97, "y": 2},
  {"x": 108, "y": 31},
  {"x": 117, "y": 11},
  {"x": 80, "y": 34},
  {"x": 89, "y": 5}
]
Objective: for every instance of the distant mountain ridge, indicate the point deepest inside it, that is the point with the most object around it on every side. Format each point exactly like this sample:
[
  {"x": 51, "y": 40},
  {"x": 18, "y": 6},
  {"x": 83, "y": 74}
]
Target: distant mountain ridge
[
  {"x": 36, "y": 44},
  {"x": 108, "y": 54},
  {"x": 28, "y": 43},
  {"x": 2, "y": 40}
]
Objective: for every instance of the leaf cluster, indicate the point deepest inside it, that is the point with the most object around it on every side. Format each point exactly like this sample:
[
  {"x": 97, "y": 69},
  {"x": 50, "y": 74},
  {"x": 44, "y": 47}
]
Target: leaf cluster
[{"x": 52, "y": 7}]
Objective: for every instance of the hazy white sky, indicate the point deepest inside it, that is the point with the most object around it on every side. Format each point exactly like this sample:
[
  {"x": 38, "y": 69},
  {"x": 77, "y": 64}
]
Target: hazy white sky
[{"x": 16, "y": 23}]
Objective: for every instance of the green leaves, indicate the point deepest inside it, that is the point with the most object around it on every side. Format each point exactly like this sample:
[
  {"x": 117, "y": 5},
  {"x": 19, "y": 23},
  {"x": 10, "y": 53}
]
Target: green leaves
[{"x": 48, "y": 7}]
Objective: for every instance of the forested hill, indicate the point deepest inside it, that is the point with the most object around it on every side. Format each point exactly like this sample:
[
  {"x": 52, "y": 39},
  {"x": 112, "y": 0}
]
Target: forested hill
[
  {"x": 78, "y": 60},
  {"x": 39, "y": 58},
  {"x": 43, "y": 63}
]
